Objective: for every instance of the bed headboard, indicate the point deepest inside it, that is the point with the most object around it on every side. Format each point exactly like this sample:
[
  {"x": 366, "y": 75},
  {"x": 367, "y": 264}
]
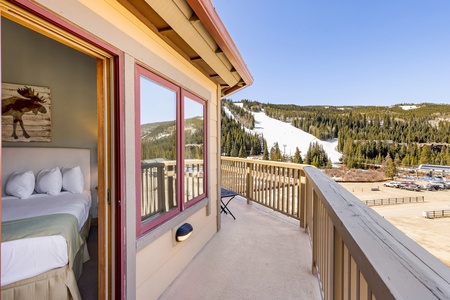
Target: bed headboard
[{"x": 35, "y": 159}]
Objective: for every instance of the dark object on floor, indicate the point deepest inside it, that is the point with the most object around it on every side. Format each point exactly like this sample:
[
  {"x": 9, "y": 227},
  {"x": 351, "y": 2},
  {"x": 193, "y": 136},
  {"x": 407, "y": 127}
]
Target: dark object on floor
[{"x": 224, "y": 193}]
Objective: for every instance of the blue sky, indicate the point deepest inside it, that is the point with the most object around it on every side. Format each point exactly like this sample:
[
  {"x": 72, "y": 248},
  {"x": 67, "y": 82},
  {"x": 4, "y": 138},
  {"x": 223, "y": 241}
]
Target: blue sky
[{"x": 342, "y": 52}]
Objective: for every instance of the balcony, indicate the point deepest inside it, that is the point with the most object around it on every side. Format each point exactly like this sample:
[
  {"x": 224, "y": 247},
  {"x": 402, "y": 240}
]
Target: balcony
[
  {"x": 260, "y": 255},
  {"x": 344, "y": 248}
]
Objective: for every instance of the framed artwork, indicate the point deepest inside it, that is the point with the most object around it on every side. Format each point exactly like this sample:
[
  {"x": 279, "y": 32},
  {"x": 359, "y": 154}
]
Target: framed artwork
[{"x": 26, "y": 113}]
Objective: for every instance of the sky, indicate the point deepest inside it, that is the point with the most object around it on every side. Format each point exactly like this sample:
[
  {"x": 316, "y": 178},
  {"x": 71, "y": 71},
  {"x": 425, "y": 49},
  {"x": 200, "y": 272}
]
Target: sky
[
  {"x": 165, "y": 110},
  {"x": 342, "y": 52}
]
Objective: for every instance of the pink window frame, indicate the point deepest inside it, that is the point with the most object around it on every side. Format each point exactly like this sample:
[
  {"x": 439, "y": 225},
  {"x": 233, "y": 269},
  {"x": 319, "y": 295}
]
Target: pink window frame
[
  {"x": 144, "y": 227},
  {"x": 191, "y": 96}
]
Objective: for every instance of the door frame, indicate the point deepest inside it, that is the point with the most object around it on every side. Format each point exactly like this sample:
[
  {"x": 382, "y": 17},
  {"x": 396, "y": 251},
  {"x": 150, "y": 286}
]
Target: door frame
[{"x": 110, "y": 103}]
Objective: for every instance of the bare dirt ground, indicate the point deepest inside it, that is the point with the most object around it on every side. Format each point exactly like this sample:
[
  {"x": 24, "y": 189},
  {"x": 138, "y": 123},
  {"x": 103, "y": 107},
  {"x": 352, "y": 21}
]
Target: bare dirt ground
[{"x": 432, "y": 234}]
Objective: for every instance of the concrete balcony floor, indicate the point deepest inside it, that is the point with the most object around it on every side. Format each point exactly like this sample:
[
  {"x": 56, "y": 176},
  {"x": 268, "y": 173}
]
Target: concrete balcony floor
[{"x": 260, "y": 255}]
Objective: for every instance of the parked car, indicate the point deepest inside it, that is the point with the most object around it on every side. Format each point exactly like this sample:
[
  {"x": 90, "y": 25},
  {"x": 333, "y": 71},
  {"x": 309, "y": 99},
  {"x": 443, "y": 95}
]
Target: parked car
[
  {"x": 391, "y": 184},
  {"x": 412, "y": 187},
  {"x": 402, "y": 185},
  {"x": 433, "y": 187},
  {"x": 442, "y": 184}
]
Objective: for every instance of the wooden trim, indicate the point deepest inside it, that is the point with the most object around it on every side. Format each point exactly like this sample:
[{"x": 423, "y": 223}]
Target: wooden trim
[
  {"x": 212, "y": 22},
  {"x": 102, "y": 229}
]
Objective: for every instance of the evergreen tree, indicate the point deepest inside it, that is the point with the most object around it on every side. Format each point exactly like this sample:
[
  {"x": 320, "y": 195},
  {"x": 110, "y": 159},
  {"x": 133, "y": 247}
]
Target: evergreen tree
[
  {"x": 425, "y": 155},
  {"x": 252, "y": 151},
  {"x": 265, "y": 151},
  {"x": 242, "y": 152},
  {"x": 391, "y": 169},
  {"x": 297, "y": 157},
  {"x": 275, "y": 153},
  {"x": 317, "y": 156},
  {"x": 234, "y": 151}
]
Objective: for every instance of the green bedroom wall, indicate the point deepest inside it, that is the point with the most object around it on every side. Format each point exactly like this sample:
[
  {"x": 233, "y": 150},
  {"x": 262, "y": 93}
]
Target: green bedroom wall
[{"x": 30, "y": 58}]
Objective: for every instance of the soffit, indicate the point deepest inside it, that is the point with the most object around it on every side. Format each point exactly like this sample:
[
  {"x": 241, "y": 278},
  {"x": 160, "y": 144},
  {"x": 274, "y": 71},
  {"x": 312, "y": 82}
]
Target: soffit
[{"x": 178, "y": 25}]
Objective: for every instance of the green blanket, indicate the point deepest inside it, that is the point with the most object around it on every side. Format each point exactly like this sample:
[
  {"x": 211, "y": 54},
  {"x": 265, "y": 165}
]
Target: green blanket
[{"x": 58, "y": 224}]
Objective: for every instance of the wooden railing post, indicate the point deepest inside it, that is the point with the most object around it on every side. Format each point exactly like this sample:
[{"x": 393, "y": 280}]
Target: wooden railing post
[
  {"x": 249, "y": 191},
  {"x": 307, "y": 211}
]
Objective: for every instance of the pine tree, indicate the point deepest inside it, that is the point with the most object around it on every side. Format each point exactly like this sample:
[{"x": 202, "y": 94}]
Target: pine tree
[
  {"x": 252, "y": 151},
  {"x": 234, "y": 151},
  {"x": 275, "y": 153},
  {"x": 265, "y": 151},
  {"x": 425, "y": 155},
  {"x": 297, "y": 157},
  {"x": 242, "y": 152},
  {"x": 391, "y": 169}
]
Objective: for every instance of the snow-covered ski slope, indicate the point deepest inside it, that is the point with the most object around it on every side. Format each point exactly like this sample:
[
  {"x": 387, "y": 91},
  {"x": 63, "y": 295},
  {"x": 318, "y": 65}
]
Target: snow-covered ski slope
[{"x": 289, "y": 137}]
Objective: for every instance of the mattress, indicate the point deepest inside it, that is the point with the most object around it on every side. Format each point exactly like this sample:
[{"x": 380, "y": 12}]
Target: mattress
[{"x": 25, "y": 258}]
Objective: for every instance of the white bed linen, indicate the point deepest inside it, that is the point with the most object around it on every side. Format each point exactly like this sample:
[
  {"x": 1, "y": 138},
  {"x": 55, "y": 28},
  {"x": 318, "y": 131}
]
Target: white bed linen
[
  {"x": 26, "y": 258},
  {"x": 14, "y": 208}
]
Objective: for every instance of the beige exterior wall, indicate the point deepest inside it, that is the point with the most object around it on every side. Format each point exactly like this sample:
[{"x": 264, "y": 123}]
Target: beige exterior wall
[{"x": 157, "y": 262}]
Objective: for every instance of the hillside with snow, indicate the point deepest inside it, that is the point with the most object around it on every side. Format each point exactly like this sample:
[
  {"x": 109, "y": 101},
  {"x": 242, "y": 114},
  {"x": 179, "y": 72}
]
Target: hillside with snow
[{"x": 289, "y": 137}]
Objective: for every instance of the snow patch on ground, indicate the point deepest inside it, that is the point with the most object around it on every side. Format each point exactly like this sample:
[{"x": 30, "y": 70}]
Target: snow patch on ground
[{"x": 408, "y": 107}]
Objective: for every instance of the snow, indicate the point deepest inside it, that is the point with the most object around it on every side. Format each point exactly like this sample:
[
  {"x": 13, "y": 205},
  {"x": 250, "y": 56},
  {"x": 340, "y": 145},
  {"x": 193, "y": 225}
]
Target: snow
[
  {"x": 285, "y": 134},
  {"x": 408, "y": 107},
  {"x": 289, "y": 137}
]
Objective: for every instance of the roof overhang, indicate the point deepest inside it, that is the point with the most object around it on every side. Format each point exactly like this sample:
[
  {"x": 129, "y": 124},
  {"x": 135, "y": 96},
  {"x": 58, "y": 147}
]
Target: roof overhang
[{"x": 194, "y": 29}]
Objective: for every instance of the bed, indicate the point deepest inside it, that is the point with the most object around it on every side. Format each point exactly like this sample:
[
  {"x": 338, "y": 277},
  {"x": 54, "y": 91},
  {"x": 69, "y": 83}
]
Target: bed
[{"x": 44, "y": 233}]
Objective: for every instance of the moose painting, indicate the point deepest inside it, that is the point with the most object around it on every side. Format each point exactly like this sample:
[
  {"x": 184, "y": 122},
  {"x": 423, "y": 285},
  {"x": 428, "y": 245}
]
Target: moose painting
[{"x": 25, "y": 113}]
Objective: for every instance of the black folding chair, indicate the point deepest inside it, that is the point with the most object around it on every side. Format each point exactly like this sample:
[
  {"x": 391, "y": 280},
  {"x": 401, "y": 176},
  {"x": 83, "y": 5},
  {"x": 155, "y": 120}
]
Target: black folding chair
[{"x": 224, "y": 193}]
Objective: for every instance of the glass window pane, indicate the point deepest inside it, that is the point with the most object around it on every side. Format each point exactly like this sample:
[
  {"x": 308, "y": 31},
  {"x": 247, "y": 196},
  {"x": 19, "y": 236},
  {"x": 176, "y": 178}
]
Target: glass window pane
[
  {"x": 158, "y": 111},
  {"x": 193, "y": 148}
]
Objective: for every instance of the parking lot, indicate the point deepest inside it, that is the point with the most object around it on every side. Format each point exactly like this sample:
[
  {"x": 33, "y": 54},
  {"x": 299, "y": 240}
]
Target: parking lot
[{"x": 432, "y": 234}]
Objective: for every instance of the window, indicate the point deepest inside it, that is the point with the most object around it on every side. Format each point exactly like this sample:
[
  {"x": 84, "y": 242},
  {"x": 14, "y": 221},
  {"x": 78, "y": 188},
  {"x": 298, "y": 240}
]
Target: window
[
  {"x": 194, "y": 136},
  {"x": 170, "y": 150}
]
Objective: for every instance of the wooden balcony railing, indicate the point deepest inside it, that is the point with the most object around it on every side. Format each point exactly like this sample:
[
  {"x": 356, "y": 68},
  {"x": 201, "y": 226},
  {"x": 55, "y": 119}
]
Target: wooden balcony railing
[
  {"x": 159, "y": 185},
  {"x": 356, "y": 254}
]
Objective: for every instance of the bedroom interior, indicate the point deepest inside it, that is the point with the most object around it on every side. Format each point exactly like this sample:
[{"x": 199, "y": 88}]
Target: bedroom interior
[{"x": 72, "y": 78}]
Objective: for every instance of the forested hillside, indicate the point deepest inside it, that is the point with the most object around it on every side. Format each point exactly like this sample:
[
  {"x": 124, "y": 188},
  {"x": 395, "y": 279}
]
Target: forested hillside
[
  {"x": 239, "y": 141},
  {"x": 236, "y": 141},
  {"x": 403, "y": 135},
  {"x": 158, "y": 140},
  {"x": 241, "y": 115},
  {"x": 410, "y": 134}
]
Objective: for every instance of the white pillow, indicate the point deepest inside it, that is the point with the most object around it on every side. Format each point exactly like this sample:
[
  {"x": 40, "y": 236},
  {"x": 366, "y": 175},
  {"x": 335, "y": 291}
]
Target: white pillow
[
  {"x": 49, "y": 181},
  {"x": 73, "y": 180},
  {"x": 20, "y": 184}
]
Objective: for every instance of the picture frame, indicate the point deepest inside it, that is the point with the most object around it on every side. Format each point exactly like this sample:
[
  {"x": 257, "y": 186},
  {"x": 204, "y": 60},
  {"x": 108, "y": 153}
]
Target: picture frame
[{"x": 26, "y": 113}]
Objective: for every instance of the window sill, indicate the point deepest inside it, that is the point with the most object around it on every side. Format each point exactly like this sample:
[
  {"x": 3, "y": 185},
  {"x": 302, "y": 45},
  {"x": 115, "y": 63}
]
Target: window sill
[{"x": 159, "y": 231}]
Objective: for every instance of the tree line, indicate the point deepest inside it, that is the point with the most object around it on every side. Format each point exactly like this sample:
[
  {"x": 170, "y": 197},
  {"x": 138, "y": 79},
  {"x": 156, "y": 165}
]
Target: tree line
[
  {"x": 368, "y": 134},
  {"x": 241, "y": 115},
  {"x": 238, "y": 142},
  {"x": 158, "y": 140}
]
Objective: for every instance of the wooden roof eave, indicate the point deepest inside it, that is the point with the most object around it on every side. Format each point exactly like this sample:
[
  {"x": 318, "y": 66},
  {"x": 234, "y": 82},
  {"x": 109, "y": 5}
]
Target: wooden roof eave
[
  {"x": 211, "y": 20},
  {"x": 209, "y": 46}
]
